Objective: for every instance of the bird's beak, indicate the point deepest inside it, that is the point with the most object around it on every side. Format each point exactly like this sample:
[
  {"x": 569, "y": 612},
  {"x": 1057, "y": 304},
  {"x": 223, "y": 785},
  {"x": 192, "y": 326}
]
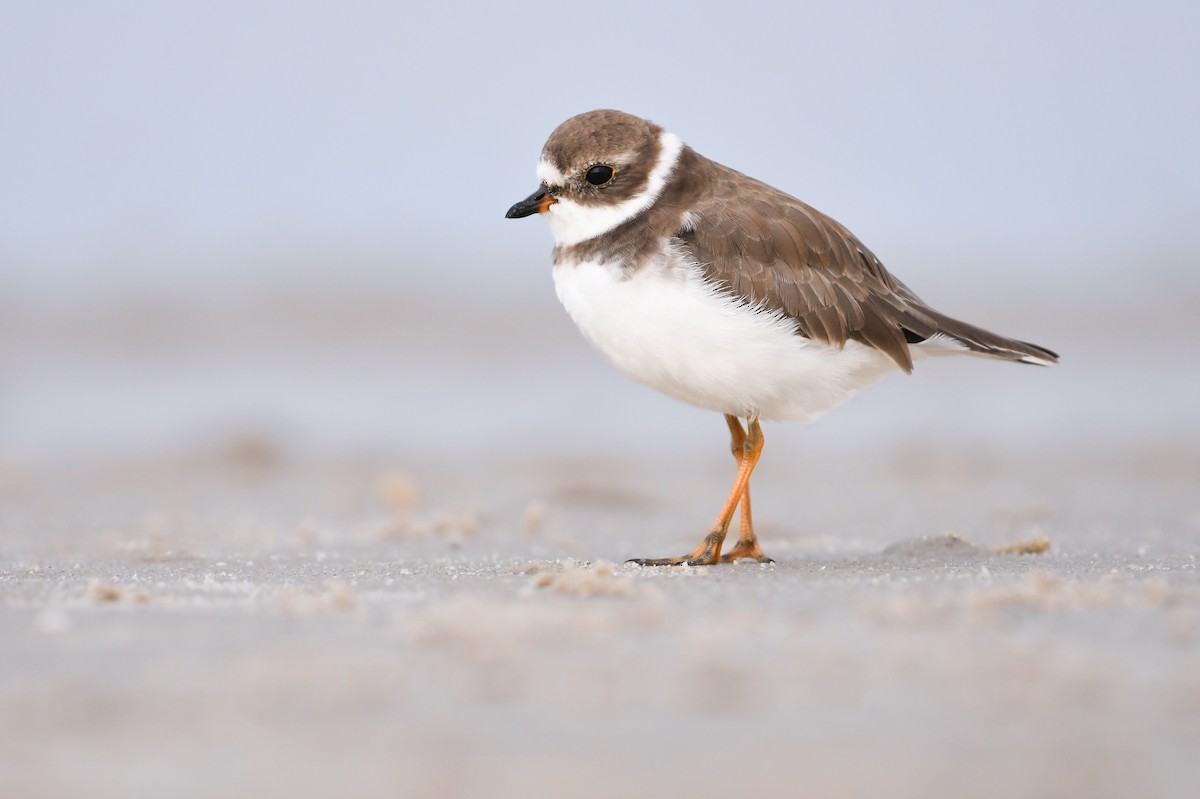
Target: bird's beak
[{"x": 536, "y": 203}]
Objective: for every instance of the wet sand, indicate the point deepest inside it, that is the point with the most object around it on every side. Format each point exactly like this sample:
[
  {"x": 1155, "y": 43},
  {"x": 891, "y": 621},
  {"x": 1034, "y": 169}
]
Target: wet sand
[{"x": 260, "y": 613}]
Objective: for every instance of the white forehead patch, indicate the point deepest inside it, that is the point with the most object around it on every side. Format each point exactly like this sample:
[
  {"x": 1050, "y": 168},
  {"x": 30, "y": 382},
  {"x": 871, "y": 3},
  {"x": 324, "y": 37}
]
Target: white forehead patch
[
  {"x": 572, "y": 223},
  {"x": 549, "y": 174}
]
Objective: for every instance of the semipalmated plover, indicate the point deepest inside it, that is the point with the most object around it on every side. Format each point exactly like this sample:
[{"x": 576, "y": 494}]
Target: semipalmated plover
[{"x": 724, "y": 292}]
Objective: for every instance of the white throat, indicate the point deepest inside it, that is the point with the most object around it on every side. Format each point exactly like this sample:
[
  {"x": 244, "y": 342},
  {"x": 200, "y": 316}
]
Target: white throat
[{"x": 572, "y": 223}]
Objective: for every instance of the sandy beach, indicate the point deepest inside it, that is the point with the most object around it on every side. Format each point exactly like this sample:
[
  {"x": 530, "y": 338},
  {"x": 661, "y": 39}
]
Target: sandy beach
[{"x": 271, "y": 603}]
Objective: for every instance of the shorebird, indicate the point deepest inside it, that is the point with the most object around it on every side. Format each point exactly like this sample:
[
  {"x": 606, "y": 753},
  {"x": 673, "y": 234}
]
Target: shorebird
[{"x": 726, "y": 293}]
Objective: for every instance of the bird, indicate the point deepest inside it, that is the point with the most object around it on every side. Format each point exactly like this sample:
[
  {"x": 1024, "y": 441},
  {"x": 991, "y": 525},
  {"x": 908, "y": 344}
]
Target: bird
[{"x": 726, "y": 293}]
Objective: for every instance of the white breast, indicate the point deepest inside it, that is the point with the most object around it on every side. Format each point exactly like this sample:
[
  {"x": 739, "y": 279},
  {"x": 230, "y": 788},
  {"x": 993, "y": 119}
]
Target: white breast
[{"x": 664, "y": 326}]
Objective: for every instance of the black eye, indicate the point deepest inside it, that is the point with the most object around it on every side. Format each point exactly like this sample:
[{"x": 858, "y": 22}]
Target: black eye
[{"x": 599, "y": 174}]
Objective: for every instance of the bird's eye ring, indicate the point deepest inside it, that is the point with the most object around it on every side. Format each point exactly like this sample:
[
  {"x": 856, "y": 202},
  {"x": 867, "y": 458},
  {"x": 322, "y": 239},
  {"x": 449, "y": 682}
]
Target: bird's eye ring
[{"x": 599, "y": 175}]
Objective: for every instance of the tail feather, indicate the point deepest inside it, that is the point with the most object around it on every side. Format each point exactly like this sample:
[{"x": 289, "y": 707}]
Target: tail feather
[{"x": 983, "y": 342}]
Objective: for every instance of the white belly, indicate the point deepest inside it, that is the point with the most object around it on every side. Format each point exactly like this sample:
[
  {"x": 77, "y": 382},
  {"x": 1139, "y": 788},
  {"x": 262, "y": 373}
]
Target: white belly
[{"x": 663, "y": 326}]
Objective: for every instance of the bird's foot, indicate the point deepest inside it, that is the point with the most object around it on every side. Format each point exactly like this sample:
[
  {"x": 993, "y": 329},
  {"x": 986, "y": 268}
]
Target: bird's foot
[
  {"x": 685, "y": 560},
  {"x": 743, "y": 551},
  {"x": 707, "y": 554}
]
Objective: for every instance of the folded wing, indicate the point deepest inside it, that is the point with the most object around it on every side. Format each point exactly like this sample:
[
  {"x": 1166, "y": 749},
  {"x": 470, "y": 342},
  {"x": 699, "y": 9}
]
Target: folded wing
[{"x": 775, "y": 252}]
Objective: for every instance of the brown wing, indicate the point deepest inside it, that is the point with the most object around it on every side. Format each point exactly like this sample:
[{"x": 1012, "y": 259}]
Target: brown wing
[{"x": 778, "y": 253}]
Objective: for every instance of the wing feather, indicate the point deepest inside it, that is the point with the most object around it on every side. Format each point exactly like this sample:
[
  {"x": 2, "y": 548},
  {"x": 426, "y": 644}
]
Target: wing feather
[{"x": 774, "y": 251}]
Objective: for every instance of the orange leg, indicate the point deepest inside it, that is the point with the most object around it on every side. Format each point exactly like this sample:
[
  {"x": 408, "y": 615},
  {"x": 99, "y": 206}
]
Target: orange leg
[
  {"x": 747, "y": 545},
  {"x": 709, "y": 550}
]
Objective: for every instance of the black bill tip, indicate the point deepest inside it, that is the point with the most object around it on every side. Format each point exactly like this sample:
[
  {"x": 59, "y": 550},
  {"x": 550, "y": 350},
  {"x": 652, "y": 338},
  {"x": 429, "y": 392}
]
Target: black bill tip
[{"x": 535, "y": 203}]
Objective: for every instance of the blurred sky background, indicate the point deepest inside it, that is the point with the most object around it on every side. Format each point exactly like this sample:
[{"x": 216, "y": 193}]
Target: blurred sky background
[{"x": 289, "y": 215}]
